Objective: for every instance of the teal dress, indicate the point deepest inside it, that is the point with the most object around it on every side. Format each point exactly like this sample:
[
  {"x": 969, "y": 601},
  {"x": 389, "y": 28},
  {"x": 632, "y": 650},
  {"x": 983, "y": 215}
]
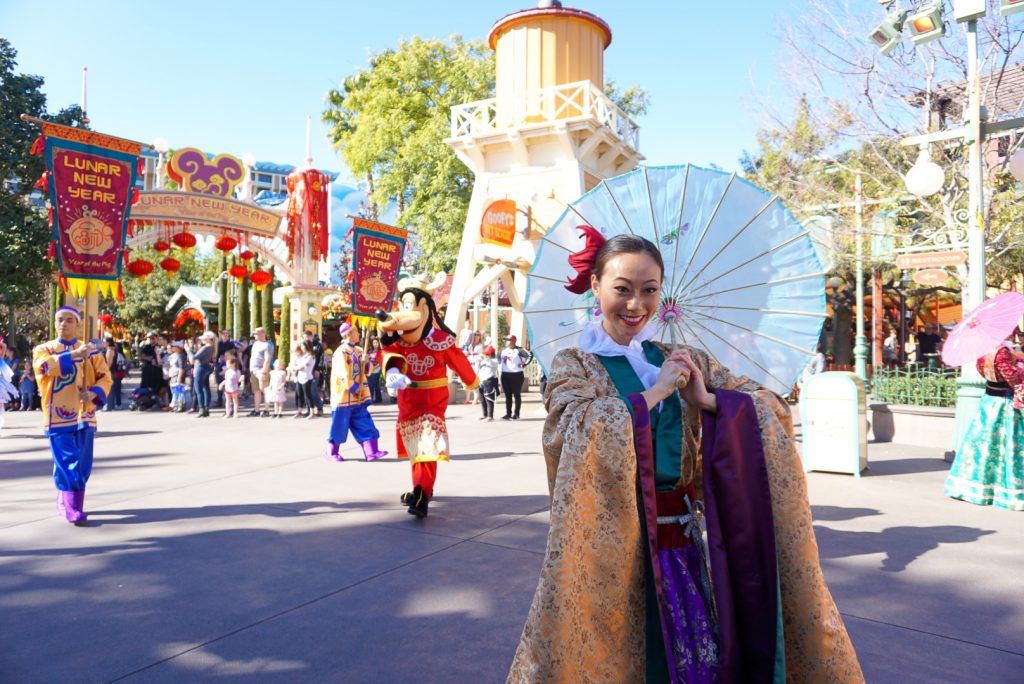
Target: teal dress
[{"x": 989, "y": 466}]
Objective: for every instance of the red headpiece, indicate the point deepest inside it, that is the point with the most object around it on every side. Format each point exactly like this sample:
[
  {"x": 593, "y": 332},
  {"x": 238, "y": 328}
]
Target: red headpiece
[{"x": 583, "y": 260}]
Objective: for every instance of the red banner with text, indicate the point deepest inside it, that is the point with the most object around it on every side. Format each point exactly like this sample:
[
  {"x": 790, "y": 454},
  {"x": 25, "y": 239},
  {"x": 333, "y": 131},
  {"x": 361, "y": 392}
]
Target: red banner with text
[
  {"x": 377, "y": 254},
  {"x": 91, "y": 179}
]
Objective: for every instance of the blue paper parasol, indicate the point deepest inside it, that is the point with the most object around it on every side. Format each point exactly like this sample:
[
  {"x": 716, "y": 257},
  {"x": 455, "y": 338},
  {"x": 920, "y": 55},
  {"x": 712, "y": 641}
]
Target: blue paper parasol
[{"x": 742, "y": 279}]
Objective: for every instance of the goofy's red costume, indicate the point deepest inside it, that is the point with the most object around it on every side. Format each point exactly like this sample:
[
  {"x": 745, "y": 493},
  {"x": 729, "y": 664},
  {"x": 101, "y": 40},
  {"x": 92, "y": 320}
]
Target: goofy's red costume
[{"x": 418, "y": 352}]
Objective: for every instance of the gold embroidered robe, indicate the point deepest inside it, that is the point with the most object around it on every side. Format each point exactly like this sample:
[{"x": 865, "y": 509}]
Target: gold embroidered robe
[{"x": 586, "y": 623}]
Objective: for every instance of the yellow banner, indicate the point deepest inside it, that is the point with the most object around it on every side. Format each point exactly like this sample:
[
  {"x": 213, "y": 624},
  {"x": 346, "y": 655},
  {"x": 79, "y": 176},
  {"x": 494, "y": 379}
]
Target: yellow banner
[{"x": 192, "y": 207}]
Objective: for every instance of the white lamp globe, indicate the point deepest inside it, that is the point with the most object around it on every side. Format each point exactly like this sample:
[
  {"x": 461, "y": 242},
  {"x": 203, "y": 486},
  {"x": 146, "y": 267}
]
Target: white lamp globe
[
  {"x": 1016, "y": 165},
  {"x": 161, "y": 145},
  {"x": 249, "y": 159},
  {"x": 925, "y": 177}
]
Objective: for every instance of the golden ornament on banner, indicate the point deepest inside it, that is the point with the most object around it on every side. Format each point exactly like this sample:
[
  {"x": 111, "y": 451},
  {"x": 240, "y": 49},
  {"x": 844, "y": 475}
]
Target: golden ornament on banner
[{"x": 89, "y": 235}]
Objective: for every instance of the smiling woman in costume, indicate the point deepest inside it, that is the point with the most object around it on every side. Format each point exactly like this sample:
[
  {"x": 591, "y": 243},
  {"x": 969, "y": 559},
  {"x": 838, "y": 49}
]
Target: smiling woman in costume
[{"x": 628, "y": 592}]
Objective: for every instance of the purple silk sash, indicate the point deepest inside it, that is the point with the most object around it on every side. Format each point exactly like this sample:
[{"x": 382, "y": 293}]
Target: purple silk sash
[
  {"x": 644, "y": 442},
  {"x": 741, "y": 539}
]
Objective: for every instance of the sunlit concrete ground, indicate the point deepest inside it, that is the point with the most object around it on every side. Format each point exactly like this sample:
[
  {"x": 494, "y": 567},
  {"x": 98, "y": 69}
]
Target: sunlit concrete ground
[{"x": 229, "y": 549}]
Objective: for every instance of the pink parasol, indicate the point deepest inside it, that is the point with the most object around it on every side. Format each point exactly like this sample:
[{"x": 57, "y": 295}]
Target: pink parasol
[{"x": 983, "y": 329}]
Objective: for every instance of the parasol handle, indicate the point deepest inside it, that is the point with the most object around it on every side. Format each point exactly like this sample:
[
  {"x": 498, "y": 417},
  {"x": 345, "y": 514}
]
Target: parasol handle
[{"x": 670, "y": 321}]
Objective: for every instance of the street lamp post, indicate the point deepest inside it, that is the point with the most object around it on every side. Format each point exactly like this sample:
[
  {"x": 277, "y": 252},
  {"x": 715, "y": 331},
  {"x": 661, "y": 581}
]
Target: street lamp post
[{"x": 860, "y": 344}]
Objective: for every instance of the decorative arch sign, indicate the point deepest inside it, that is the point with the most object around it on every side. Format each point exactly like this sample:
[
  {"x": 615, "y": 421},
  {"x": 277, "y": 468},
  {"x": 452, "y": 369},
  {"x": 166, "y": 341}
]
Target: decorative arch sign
[
  {"x": 193, "y": 172},
  {"x": 193, "y": 207},
  {"x": 498, "y": 226}
]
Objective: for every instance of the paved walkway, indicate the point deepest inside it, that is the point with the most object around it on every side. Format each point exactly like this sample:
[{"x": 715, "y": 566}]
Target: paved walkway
[{"x": 229, "y": 549}]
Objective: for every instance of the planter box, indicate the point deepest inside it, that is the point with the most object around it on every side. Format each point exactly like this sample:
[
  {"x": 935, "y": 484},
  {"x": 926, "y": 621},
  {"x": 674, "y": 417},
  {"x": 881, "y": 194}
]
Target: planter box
[{"x": 925, "y": 426}]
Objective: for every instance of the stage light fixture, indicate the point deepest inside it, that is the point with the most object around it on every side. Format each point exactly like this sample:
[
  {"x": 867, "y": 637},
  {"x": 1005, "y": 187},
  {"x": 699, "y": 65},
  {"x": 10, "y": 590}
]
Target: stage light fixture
[
  {"x": 925, "y": 23},
  {"x": 888, "y": 34}
]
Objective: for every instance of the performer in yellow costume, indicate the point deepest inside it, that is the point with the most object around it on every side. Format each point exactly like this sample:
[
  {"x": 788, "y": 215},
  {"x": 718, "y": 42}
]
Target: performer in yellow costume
[
  {"x": 350, "y": 399},
  {"x": 73, "y": 380}
]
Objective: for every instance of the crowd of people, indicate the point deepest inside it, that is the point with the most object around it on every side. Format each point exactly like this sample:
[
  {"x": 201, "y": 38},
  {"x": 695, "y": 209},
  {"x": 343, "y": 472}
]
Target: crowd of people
[
  {"x": 245, "y": 378},
  {"x": 499, "y": 372}
]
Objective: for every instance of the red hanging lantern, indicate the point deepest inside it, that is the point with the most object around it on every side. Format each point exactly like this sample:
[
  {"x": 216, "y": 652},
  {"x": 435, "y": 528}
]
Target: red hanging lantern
[
  {"x": 260, "y": 279},
  {"x": 170, "y": 264},
  {"x": 225, "y": 243},
  {"x": 238, "y": 272},
  {"x": 184, "y": 240},
  {"x": 140, "y": 268},
  {"x": 161, "y": 245},
  {"x": 247, "y": 255}
]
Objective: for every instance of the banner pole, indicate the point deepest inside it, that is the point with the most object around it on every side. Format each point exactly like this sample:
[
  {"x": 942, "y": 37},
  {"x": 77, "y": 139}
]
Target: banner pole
[
  {"x": 35, "y": 120},
  {"x": 410, "y": 232}
]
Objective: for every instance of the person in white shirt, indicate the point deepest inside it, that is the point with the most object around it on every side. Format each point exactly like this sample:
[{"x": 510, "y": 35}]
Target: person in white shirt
[
  {"x": 301, "y": 366},
  {"x": 474, "y": 352},
  {"x": 513, "y": 361},
  {"x": 259, "y": 369},
  {"x": 487, "y": 371}
]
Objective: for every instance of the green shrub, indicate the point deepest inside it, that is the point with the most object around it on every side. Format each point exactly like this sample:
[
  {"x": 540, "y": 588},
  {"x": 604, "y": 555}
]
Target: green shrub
[{"x": 915, "y": 386}]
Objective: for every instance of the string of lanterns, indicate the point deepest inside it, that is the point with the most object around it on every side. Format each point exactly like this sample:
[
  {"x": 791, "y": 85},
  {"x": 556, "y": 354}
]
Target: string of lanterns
[{"x": 185, "y": 240}]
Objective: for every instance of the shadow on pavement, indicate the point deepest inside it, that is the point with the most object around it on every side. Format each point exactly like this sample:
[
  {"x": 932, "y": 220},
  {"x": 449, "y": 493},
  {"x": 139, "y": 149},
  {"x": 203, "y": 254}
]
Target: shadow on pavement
[
  {"x": 335, "y": 601},
  {"x": 836, "y": 513},
  {"x": 902, "y": 545},
  {"x": 43, "y": 467},
  {"x": 100, "y": 517},
  {"x": 904, "y": 466}
]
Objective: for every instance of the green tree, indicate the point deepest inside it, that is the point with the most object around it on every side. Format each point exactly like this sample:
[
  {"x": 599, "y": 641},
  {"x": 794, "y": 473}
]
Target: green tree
[
  {"x": 268, "y": 305},
  {"x": 244, "y": 321},
  {"x": 223, "y": 287},
  {"x": 634, "y": 100},
  {"x": 389, "y": 122},
  {"x": 26, "y": 233},
  {"x": 284, "y": 351}
]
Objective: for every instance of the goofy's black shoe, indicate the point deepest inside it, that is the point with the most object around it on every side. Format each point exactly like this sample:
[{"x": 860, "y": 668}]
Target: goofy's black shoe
[
  {"x": 406, "y": 498},
  {"x": 417, "y": 502}
]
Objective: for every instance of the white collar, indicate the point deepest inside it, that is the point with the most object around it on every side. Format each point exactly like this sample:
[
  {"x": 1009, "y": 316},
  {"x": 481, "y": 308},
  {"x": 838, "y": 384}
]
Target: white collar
[{"x": 596, "y": 340}]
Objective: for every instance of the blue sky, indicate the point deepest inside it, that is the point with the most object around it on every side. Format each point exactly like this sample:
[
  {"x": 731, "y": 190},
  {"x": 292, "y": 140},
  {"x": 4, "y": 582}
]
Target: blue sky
[{"x": 241, "y": 77}]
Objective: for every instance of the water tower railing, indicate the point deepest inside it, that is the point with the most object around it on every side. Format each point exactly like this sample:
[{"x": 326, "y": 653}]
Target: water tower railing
[{"x": 563, "y": 103}]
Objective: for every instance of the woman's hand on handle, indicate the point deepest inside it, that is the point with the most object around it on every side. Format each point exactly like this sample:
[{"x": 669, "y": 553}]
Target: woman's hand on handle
[{"x": 695, "y": 392}]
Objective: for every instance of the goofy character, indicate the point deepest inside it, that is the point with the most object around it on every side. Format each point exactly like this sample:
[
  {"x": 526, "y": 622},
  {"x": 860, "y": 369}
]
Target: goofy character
[
  {"x": 350, "y": 399},
  {"x": 418, "y": 350}
]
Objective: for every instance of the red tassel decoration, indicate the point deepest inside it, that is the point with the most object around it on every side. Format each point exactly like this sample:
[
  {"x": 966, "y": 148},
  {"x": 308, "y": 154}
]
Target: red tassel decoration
[
  {"x": 52, "y": 251},
  {"x": 62, "y": 281},
  {"x": 49, "y": 215},
  {"x": 142, "y": 167},
  {"x": 43, "y": 183},
  {"x": 131, "y": 229},
  {"x": 135, "y": 195},
  {"x": 38, "y": 145},
  {"x": 120, "y": 293}
]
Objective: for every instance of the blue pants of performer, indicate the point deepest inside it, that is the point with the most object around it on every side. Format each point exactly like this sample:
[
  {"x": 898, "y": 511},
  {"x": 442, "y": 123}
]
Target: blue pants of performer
[
  {"x": 72, "y": 459},
  {"x": 354, "y": 418}
]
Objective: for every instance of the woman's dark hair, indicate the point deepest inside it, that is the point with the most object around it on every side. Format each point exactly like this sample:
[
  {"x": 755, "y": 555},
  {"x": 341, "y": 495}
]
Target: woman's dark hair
[
  {"x": 598, "y": 251},
  {"x": 626, "y": 244}
]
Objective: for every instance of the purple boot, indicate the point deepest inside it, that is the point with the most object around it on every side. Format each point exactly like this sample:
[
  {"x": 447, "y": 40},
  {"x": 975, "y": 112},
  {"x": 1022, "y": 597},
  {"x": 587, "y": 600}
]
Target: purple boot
[
  {"x": 333, "y": 452},
  {"x": 69, "y": 504},
  {"x": 371, "y": 452}
]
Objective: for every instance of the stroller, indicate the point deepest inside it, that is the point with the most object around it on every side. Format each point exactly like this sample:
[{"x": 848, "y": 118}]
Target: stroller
[{"x": 143, "y": 399}]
